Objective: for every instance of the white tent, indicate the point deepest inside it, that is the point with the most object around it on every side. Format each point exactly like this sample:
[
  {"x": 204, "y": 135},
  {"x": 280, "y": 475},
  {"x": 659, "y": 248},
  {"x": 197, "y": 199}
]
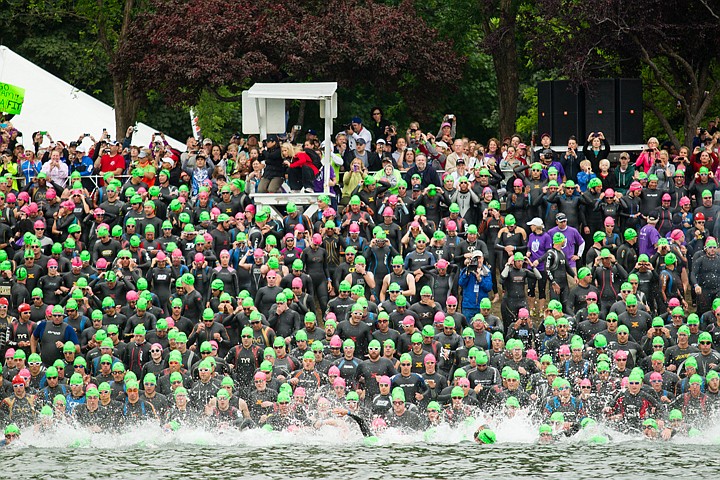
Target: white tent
[{"x": 57, "y": 107}]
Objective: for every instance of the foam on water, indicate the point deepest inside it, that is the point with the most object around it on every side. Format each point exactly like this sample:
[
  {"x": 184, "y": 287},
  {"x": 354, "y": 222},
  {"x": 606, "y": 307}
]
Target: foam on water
[{"x": 519, "y": 429}]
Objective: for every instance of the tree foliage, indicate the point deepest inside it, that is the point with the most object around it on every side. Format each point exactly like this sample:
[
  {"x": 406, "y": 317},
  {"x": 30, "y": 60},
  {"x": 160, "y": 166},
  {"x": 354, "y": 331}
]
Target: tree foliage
[
  {"x": 185, "y": 48},
  {"x": 676, "y": 42}
]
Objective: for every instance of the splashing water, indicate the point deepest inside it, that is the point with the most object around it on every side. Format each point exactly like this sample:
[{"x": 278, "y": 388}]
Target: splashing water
[{"x": 150, "y": 450}]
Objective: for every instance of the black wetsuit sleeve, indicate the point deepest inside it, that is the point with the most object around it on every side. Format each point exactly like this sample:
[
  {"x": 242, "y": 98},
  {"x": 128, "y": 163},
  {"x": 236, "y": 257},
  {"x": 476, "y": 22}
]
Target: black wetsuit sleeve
[{"x": 362, "y": 424}]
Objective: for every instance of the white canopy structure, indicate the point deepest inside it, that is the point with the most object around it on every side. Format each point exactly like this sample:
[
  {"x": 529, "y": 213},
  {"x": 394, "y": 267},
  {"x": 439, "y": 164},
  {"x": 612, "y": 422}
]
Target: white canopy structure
[
  {"x": 57, "y": 107},
  {"x": 264, "y": 110}
]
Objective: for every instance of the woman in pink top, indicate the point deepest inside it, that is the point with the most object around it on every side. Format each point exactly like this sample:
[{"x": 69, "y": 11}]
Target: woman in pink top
[{"x": 648, "y": 156}]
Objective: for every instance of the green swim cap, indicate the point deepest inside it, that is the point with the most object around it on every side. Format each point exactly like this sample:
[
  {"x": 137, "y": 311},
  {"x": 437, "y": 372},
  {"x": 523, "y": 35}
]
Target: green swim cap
[{"x": 486, "y": 436}]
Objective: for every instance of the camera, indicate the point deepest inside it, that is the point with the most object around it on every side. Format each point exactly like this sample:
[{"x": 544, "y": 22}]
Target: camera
[
  {"x": 473, "y": 265},
  {"x": 450, "y": 117}
]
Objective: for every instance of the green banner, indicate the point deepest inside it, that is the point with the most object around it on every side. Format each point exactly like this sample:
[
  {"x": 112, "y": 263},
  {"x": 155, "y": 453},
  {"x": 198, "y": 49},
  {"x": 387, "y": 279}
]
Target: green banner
[{"x": 11, "y": 98}]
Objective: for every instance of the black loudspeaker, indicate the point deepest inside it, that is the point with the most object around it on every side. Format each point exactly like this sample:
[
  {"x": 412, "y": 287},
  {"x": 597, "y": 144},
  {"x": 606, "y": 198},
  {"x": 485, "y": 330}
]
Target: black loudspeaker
[
  {"x": 568, "y": 115},
  {"x": 545, "y": 108},
  {"x": 629, "y": 111},
  {"x": 600, "y": 109}
]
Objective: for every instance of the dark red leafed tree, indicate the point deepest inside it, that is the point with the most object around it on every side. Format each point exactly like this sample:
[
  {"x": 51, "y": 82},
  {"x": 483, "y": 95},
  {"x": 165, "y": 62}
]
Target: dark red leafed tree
[{"x": 186, "y": 47}]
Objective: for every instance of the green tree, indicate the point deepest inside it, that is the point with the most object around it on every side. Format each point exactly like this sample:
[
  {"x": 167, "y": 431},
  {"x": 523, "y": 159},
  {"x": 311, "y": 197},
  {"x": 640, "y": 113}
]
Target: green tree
[{"x": 77, "y": 40}]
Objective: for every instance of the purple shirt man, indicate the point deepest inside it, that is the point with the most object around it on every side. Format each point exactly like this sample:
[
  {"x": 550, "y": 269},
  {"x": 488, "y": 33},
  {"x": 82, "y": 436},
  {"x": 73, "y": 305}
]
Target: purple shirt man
[
  {"x": 648, "y": 238},
  {"x": 538, "y": 245},
  {"x": 572, "y": 236}
]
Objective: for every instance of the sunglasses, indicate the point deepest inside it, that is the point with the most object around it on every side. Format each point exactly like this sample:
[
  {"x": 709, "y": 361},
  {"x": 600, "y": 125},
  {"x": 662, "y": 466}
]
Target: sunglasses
[{"x": 398, "y": 402}]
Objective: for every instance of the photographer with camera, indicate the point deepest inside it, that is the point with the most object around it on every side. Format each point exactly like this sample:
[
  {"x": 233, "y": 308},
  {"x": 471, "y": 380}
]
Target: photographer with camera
[
  {"x": 704, "y": 155},
  {"x": 380, "y": 127},
  {"x": 275, "y": 169},
  {"x": 476, "y": 282},
  {"x": 355, "y": 130},
  {"x": 598, "y": 148},
  {"x": 649, "y": 155},
  {"x": 664, "y": 169},
  {"x": 448, "y": 128}
]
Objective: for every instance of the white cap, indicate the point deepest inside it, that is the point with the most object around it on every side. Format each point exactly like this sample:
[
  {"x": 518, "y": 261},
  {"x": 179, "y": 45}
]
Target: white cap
[
  {"x": 536, "y": 222},
  {"x": 441, "y": 144}
]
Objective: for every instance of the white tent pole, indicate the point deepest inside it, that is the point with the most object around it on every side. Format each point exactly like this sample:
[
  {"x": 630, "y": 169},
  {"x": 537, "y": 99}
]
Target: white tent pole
[
  {"x": 328, "y": 143},
  {"x": 262, "y": 120}
]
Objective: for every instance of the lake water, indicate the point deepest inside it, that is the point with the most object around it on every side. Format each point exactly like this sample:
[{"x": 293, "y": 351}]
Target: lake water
[{"x": 331, "y": 453}]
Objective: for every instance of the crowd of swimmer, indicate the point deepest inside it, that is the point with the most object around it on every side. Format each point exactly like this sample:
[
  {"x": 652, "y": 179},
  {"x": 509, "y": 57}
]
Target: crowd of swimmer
[{"x": 376, "y": 314}]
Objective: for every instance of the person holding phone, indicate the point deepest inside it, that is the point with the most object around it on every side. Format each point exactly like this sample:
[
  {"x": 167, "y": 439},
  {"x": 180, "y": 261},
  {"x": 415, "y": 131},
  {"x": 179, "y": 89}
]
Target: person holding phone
[
  {"x": 597, "y": 148},
  {"x": 648, "y": 156},
  {"x": 352, "y": 179}
]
